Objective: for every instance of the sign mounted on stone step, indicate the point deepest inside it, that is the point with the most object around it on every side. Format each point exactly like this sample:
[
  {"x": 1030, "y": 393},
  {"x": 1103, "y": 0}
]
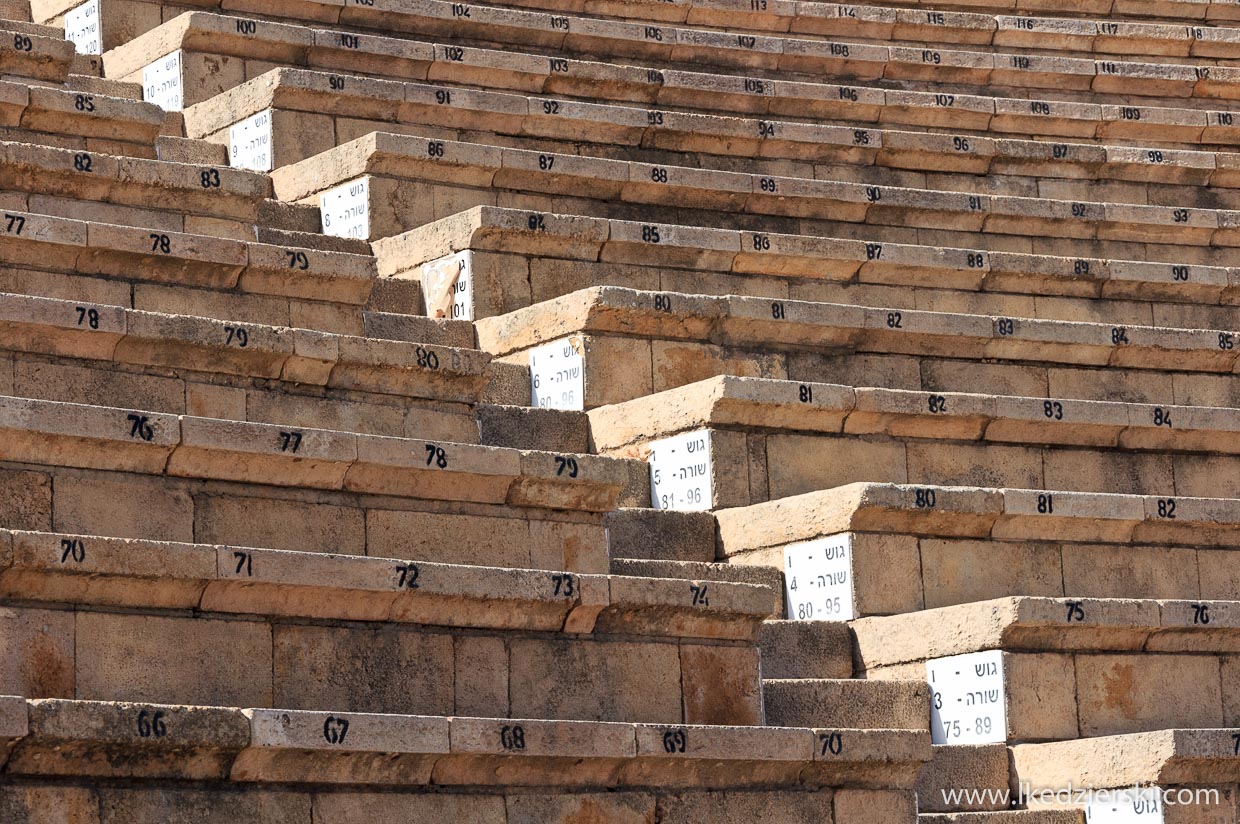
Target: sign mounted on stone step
[
  {"x": 161, "y": 82},
  {"x": 558, "y": 375},
  {"x": 818, "y": 579},
  {"x": 345, "y": 210},
  {"x": 681, "y": 472},
  {"x": 83, "y": 28},
  {"x": 249, "y": 143},
  {"x": 1126, "y": 806},
  {"x": 968, "y": 702},
  {"x": 448, "y": 287}
]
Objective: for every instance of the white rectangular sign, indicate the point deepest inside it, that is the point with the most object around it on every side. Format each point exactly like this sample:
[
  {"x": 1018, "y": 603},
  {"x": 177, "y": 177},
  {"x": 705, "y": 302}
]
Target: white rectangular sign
[
  {"x": 161, "y": 82},
  {"x": 345, "y": 210},
  {"x": 249, "y": 143},
  {"x": 818, "y": 579},
  {"x": 681, "y": 472},
  {"x": 448, "y": 286},
  {"x": 83, "y": 28},
  {"x": 968, "y": 702},
  {"x": 558, "y": 375},
  {"x": 1143, "y": 806}
]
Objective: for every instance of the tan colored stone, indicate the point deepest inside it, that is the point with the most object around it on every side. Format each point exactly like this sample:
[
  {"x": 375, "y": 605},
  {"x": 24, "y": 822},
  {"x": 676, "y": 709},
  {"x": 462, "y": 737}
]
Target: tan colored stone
[
  {"x": 1120, "y": 694},
  {"x": 395, "y": 670},
  {"x": 279, "y": 524},
  {"x": 205, "y": 662},
  {"x": 556, "y": 678},
  {"x": 124, "y": 508}
]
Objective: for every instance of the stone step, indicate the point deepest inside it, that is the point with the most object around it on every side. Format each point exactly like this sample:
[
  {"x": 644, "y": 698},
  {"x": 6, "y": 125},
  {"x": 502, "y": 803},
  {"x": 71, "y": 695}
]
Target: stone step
[
  {"x": 158, "y": 195},
  {"x": 1047, "y": 624},
  {"x": 494, "y": 666},
  {"x": 217, "y": 53},
  {"x": 309, "y": 101},
  {"x": 388, "y": 173},
  {"x": 1005, "y": 817},
  {"x": 1046, "y": 669},
  {"x": 641, "y": 534},
  {"x": 844, "y": 575},
  {"x": 38, "y": 52},
  {"x": 981, "y": 769},
  {"x": 90, "y": 570},
  {"x": 106, "y": 739},
  {"x": 525, "y": 427},
  {"x": 510, "y": 265},
  {"x": 293, "y": 103},
  {"x": 670, "y": 45},
  {"x": 216, "y": 802},
  {"x": 758, "y": 439},
  {"x": 190, "y": 447},
  {"x": 15, "y": 10},
  {"x": 1163, "y": 757},
  {"x": 107, "y": 124},
  {"x": 766, "y": 578},
  {"x": 806, "y": 650},
  {"x": 901, "y": 705},
  {"x": 973, "y": 512},
  {"x": 617, "y": 332},
  {"x": 211, "y": 354},
  {"x": 1109, "y": 35},
  {"x": 705, "y": 11},
  {"x": 137, "y": 254}
]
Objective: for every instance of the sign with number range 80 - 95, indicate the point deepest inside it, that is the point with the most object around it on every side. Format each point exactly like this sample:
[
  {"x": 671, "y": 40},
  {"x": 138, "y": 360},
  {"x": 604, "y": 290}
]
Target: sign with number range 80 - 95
[{"x": 818, "y": 579}]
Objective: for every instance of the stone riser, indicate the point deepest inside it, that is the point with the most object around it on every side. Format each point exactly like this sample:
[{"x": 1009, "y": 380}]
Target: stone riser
[
  {"x": 161, "y": 508},
  {"x": 793, "y": 58},
  {"x": 623, "y": 368},
  {"x": 505, "y": 283},
  {"x": 893, "y": 574},
  {"x": 102, "y": 804},
  {"x": 215, "y": 658}
]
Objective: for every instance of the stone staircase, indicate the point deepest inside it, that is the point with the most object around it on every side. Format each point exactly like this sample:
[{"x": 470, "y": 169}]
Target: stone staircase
[{"x": 579, "y": 410}]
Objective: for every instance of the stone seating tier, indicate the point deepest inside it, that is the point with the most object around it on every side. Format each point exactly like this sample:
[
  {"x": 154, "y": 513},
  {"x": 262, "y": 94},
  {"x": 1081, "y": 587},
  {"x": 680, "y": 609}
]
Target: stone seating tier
[
  {"x": 635, "y": 343},
  {"x": 514, "y": 258},
  {"x": 761, "y": 439},
  {"x": 384, "y": 184},
  {"x": 88, "y": 738}
]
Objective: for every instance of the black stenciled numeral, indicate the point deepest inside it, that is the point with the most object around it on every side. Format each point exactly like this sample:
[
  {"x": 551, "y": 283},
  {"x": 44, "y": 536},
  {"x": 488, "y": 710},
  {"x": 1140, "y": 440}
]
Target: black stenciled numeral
[
  {"x": 335, "y": 729},
  {"x": 832, "y": 743},
  {"x": 140, "y": 427},
  {"x": 436, "y": 455},
  {"x": 565, "y": 465},
  {"x": 675, "y": 741},
  {"x": 152, "y": 724},
  {"x": 407, "y": 576},
  {"x": 72, "y": 549},
  {"x": 87, "y": 317},
  {"x": 512, "y": 737},
  {"x": 290, "y": 441}
]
